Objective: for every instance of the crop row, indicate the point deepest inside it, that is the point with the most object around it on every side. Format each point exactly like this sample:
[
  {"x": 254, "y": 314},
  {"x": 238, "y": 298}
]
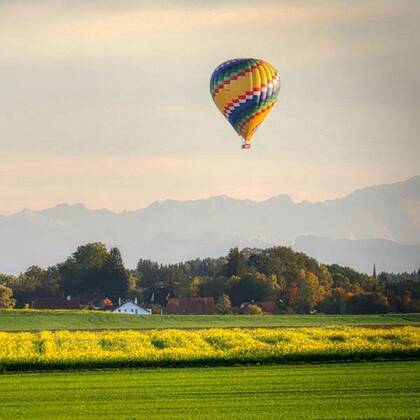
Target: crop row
[{"x": 79, "y": 349}]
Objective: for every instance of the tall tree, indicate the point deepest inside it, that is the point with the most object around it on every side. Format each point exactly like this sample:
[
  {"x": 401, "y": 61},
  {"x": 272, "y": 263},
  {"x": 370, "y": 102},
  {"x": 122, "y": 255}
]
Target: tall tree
[
  {"x": 82, "y": 272},
  {"x": 309, "y": 291},
  {"x": 253, "y": 286},
  {"x": 6, "y": 298},
  {"x": 236, "y": 263},
  {"x": 223, "y": 305},
  {"x": 368, "y": 303},
  {"x": 335, "y": 302},
  {"x": 213, "y": 286},
  {"x": 91, "y": 256},
  {"x": 115, "y": 278}
]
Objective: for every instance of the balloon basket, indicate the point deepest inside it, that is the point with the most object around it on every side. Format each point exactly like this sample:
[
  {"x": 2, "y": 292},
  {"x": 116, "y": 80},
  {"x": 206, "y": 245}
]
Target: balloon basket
[{"x": 246, "y": 146}]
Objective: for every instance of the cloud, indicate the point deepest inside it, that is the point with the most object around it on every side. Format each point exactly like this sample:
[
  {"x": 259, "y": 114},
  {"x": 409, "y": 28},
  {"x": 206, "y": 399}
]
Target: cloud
[{"x": 55, "y": 30}]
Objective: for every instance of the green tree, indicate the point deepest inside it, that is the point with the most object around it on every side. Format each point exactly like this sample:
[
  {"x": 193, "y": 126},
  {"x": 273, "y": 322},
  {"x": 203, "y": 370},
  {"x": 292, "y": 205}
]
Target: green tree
[
  {"x": 236, "y": 263},
  {"x": 148, "y": 273},
  {"x": 291, "y": 295},
  {"x": 159, "y": 281},
  {"x": 43, "y": 283},
  {"x": 223, "y": 305},
  {"x": 335, "y": 302},
  {"x": 213, "y": 286},
  {"x": 114, "y": 277},
  {"x": 195, "y": 285},
  {"x": 342, "y": 281},
  {"x": 309, "y": 292},
  {"x": 51, "y": 282},
  {"x": 82, "y": 272},
  {"x": 368, "y": 303},
  {"x": 178, "y": 281},
  {"x": 132, "y": 280},
  {"x": 91, "y": 256},
  {"x": 6, "y": 298},
  {"x": 28, "y": 285},
  {"x": 325, "y": 280},
  {"x": 253, "y": 286},
  {"x": 7, "y": 279}
]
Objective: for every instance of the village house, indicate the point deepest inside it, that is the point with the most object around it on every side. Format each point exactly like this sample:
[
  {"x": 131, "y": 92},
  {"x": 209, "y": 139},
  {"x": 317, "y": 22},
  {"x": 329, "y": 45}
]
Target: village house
[
  {"x": 56, "y": 303},
  {"x": 267, "y": 306},
  {"x": 189, "y": 306},
  {"x": 131, "y": 308}
]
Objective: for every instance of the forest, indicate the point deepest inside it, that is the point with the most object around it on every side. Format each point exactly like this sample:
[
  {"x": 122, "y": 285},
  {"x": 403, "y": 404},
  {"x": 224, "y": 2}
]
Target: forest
[{"x": 295, "y": 282}]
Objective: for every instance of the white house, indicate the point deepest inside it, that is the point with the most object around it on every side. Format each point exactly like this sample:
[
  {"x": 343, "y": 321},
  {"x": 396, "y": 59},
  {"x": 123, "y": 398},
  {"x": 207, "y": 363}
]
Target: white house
[{"x": 132, "y": 308}]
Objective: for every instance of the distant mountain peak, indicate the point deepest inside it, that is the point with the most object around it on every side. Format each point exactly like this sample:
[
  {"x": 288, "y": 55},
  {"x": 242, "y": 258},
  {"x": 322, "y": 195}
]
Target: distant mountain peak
[
  {"x": 176, "y": 230},
  {"x": 220, "y": 197},
  {"x": 279, "y": 198},
  {"x": 65, "y": 209},
  {"x": 59, "y": 206},
  {"x": 411, "y": 184}
]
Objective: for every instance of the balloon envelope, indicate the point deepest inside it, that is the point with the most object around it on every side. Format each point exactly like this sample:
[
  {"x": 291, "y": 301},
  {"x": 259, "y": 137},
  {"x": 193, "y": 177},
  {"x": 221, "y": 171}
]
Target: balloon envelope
[{"x": 245, "y": 91}]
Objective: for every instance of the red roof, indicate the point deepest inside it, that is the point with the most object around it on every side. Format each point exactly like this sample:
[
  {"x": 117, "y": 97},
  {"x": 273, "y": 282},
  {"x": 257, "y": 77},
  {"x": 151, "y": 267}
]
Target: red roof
[
  {"x": 193, "y": 305},
  {"x": 266, "y": 305},
  {"x": 55, "y": 303}
]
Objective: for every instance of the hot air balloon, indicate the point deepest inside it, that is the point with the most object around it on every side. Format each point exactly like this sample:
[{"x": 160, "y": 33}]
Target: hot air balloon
[{"x": 245, "y": 90}]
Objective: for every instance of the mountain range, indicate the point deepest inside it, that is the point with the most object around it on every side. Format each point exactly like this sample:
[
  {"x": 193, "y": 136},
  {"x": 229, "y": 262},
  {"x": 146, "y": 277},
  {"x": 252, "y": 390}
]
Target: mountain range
[{"x": 378, "y": 224}]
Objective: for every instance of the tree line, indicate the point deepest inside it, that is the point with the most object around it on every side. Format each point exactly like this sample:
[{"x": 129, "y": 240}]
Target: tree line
[{"x": 295, "y": 282}]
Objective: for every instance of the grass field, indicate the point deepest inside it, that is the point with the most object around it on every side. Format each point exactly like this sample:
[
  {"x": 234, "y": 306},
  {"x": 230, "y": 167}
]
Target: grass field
[
  {"x": 385, "y": 390},
  {"x": 20, "y": 320}
]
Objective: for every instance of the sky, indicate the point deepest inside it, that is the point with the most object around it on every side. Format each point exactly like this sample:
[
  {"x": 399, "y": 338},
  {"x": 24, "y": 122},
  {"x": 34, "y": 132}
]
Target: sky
[{"x": 107, "y": 102}]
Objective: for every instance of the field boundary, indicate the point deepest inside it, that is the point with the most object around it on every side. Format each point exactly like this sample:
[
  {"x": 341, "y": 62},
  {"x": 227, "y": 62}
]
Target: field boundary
[
  {"x": 258, "y": 327},
  {"x": 402, "y": 356}
]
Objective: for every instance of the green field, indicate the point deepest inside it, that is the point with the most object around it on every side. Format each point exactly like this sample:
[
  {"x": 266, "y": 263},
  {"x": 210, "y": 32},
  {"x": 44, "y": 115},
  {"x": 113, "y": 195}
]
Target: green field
[
  {"x": 340, "y": 391},
  {"x": 20, "y": 320}
]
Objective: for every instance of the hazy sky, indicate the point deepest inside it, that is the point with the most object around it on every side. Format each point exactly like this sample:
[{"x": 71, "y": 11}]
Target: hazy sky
[{"x": 107, "y": 102}]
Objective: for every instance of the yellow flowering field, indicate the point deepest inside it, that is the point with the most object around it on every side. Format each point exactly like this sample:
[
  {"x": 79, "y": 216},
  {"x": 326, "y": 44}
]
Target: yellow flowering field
[{"x": 59, "y": 349}]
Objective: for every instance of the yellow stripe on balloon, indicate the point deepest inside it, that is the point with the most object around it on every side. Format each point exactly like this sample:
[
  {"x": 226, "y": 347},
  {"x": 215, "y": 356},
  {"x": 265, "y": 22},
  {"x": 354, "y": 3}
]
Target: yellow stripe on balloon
[
  {"x": 232, "y": 91},
  {"x": 249, "y": 128}
]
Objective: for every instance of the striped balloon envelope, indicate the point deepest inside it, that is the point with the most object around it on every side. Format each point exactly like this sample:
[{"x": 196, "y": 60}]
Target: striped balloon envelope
[{"x": 245, "y": 91}]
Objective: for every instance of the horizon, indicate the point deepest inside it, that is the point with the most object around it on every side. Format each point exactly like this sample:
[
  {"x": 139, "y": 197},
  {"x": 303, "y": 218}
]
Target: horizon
[{"x": 75, "y": 204}]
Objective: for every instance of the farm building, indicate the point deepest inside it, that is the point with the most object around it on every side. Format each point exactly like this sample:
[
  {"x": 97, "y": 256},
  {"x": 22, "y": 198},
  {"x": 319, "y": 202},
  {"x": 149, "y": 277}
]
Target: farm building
[
  {"x": 132, "y": 308},
  {"x": 267, "y": 306},
  {"x": 56, "y": 303},
  {"x": 193, "y": 305}
]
